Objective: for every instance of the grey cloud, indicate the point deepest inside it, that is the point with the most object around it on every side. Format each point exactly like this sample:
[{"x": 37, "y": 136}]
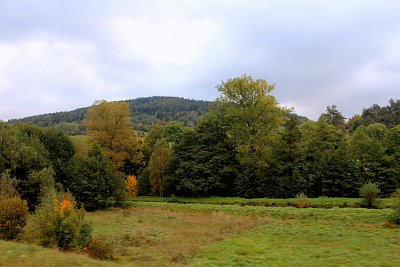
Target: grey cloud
[{"x": 318, "y": 53}]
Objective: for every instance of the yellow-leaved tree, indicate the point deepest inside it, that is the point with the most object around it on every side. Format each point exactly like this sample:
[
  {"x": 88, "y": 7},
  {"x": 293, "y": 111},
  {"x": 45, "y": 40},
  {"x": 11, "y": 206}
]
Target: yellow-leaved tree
[
  {"x": 132, "y": 185},
  {"x": 109, "y": 125}
]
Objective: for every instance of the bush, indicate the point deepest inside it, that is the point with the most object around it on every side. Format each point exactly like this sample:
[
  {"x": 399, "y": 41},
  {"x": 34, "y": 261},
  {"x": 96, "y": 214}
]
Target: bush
[
  {"x": 302, "y": 197},
  {"x": 369, "y": 192},
  {"x": 98, "y": 249},
  {"x": 13, "y": 216},
  {"x": 57, "y": 222}
]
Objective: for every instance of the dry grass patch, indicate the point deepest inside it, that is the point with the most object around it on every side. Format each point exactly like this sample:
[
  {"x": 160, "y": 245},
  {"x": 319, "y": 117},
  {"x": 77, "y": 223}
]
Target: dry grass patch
[
  {"x": 156, "y": 236},
  {"x": 13, "y": 254}
]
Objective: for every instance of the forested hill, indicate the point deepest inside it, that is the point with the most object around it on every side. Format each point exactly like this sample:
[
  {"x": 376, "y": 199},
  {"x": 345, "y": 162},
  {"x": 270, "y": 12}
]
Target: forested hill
[{"x": 145, "y": 111}]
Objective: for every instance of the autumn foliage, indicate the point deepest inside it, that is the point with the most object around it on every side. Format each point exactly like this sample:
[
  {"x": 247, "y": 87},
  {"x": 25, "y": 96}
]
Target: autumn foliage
[
  {"x": 109, "y": 125},
  {"x": 132, "y": 185},
  {"x": 57, "y": 222},
  {"x": 65, "y": 207},
  {"x": 13, "y": 216}
]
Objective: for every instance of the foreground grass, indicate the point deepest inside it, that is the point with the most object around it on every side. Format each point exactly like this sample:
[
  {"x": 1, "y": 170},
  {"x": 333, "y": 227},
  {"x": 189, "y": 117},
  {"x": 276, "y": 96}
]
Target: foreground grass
[
  {"x": 158, "y": 236},
  {"x": 336, "y": 238},
  {"x": 14, "y": 254},
  {"x": 173, "y": 234},
  {"x": 168, "y": 234}
]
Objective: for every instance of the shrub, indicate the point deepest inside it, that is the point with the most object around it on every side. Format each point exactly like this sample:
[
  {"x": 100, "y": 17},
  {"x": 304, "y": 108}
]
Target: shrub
[
  {"x": 13, "y": 216},
  {"x": 57, "y": 222},
  {"x": 302, "y": 197},
  {"x": 369, "y": 192},
  {"x": 98, "y": 249},
  {"x": 131, "y": 184}
]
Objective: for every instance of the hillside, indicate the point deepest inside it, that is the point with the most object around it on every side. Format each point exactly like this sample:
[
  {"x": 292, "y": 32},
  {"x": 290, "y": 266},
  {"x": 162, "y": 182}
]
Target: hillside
[{"x": 145, "y": 111}]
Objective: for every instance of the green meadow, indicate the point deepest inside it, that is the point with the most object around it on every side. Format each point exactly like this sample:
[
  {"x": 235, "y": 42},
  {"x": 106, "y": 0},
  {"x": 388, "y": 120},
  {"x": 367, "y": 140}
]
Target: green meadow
[{"x": 166, "y": 233}]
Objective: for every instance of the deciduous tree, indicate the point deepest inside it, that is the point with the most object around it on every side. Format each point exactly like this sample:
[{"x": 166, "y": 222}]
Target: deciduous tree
[
  {"x": 131, "y": 184},
  {"x": 251, "y": 116},
  {"x": 91, "y": 179},
  {"x": 109, "y": 125},
  {"x": 205, "y": 162},
  {"x": 158, "y": 167}
]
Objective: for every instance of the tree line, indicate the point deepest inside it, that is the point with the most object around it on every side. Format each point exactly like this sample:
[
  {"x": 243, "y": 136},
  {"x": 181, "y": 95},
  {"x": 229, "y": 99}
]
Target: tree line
[
  {"x": 245, "y": 145},
  {"x": 249, "y": 146}
]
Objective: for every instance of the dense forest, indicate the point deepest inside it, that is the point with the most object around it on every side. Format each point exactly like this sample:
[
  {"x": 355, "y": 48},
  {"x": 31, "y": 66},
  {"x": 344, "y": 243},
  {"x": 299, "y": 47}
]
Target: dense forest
[
  {"x": 244, "y": 145},
  {"x": 144, "y": 112}
]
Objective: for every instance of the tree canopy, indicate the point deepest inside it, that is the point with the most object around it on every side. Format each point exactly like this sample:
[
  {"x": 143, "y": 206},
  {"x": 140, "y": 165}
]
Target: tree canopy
[
  {"x": 109, "y": 125},
  {"x": 246, "y": 145}
]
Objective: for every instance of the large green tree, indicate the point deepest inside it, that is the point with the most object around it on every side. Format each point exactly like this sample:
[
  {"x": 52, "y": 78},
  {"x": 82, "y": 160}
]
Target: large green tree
[
  {"x": 251, "y": 116},
  {"x": 288, "y": 154},
  {"x": 60, "y": 149},
  {"x": 371, "y": 158},
  {"x": 204, "y": 162},
  {"x": 91, "y": 179},
  {"x": 30, "y": 155},
  {"x": 320, "y": 141}
]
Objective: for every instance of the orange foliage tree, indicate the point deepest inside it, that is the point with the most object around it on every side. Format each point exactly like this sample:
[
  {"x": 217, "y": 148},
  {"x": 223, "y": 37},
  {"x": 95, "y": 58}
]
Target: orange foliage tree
[{"x": 132, "y": 185}]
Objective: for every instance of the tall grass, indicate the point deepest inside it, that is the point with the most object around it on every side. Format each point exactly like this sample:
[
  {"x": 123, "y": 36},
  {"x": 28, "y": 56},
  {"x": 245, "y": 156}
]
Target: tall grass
[{"x": 162, "y": 236}]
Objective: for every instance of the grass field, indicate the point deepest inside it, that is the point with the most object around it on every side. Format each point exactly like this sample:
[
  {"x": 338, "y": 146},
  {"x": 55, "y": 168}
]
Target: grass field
[
  {"x": 194, "y": 234},
  {"x": 321, "y": 202}
]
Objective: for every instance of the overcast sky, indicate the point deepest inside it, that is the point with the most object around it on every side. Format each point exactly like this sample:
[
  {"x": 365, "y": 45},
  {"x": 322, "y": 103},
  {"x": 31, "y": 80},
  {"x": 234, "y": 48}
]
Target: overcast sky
[{"x": 62, "y": 55}]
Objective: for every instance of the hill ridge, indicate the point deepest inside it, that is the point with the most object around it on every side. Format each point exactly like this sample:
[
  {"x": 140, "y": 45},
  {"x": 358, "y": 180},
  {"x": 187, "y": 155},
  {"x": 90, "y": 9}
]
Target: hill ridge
[{"x": 144, "y": 112}]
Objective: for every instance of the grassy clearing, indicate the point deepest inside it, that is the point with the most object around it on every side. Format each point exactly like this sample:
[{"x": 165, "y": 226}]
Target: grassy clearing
[
  {"x": 292, "y": 243},
  {"x": 310, "y": 237},
  {"x": 322, "y": 202},
  {"x": 153, "y": 236},
  {"x": 173, "y": 234}
]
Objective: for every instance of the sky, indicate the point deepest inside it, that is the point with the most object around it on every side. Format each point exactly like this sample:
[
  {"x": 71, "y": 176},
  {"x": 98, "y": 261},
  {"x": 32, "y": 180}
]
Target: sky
[{"x": 61, "y": 55}]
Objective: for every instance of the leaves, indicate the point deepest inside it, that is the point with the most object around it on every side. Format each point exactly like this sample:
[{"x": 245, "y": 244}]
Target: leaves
[
  {"x": 109, "y": 125},
  {"x": 204, "y": 162},
  {"x": 158, "y": 167},
  {"x": 132, "y": 185}
]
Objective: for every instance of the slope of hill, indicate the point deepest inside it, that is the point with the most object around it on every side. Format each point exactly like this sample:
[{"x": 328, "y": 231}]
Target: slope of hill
[{"x": 145, "y": 111}]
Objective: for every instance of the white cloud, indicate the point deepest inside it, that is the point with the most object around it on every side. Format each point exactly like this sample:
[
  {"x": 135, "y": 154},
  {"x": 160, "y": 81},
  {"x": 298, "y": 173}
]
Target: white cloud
[
  {"x": 163, "y": 42},
  {"x": 42, "y": 74},
  {"x": 6, "y": 54},
  {"x": 57, "y": 55},
  {"x": 382, "y": 71}
]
